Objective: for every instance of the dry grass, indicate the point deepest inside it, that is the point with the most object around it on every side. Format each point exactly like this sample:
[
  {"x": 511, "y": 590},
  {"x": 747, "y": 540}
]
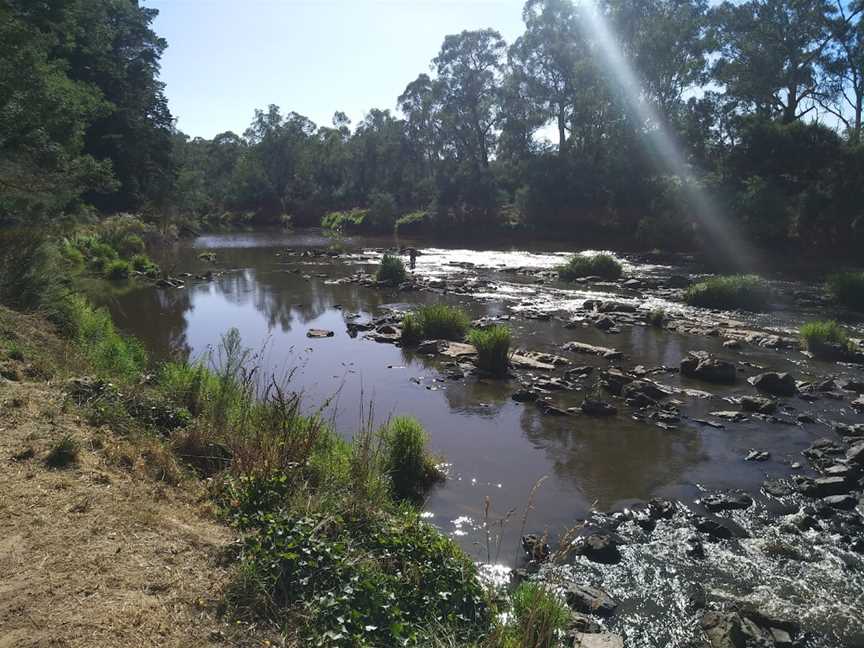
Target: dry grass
[{"x": 105, "y": 552}]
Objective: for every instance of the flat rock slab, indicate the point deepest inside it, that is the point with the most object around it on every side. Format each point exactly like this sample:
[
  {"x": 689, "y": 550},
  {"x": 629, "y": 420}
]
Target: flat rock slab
[
  {"x": 597, "y": 640},
  {"x": 590, "y": 349},
  {"x": 319, "y": 333},
  {"x": 458, "y": 350},
  {"x": 527, "y": 362}
]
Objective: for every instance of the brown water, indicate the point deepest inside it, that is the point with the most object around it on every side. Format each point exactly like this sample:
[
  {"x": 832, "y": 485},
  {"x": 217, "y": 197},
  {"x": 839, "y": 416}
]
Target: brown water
[{"x": 497, "y": 448}]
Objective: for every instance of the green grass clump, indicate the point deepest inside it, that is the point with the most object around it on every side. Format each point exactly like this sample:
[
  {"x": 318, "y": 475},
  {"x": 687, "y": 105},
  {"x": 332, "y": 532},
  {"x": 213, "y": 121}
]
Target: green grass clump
[
  {"x": 435, "y": 322},
  {"x": 656, "y": 317},
  {"x": 142, "y": 263},
  {"x": 118, "y": 270},
  {"x": 64, "y": 453},
  {"x": 493, "y": 348},
  {"x": 410, "y": 467},
  {"x": 391, "y": 270},
  {"x": 111, "y": 354},
  {"x": 596, "y": 265},
  {"x": 539, "y": 618},
  {"x": 825, "y": 338},
  {"x": 847, "y": 290},
  {"x": 745, "y": 292},
  {"x": 130, "y": 245},
  {"x": 100, "y": 250}
]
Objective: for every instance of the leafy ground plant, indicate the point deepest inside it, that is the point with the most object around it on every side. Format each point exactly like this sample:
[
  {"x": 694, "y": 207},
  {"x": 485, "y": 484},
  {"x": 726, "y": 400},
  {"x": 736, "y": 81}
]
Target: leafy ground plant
[
  {"x": 435, "y": 322},
  {"x": 594, "y": 265},
  {"x": 539, "y": 618},
  {"x": 63, "y": 453},
  {"x": 493, "y": 348},
  {"x": 745, "y": 292},
  {"x": 847, "y": 290}
]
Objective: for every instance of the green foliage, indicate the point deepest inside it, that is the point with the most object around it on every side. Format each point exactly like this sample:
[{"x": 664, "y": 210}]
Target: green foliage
[
  {"x": 64, "y": 453},
  {"x": 595, "y": 265},
  {"x": 406, "y": 460},
  {"x": 539, "y": 618},
  {"x": 111, "y": 354},
  {"x": 435, "y": 322},
  {"x": 825, "y": 338},
  {"x": 412, "y": 222},
  {"x": 102, "y": 251},
  {"x": 118, "y": 269},
  {"x": 656, "y": 317},
  {"x": 30, "y": 278},
  {"x": 747, "y": 292},
  {"x": 143, "y": 263},
  {"x": 391, "y": 270},
  {"x": 346, "y": 221},
  {"x": 847, "y": 290},
  {"x": 493, "y": 348},
  {"x": 350, "y": 580},
  {"x": 130, "y": 245}
]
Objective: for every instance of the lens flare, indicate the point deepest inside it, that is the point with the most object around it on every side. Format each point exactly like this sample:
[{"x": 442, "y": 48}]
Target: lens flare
[{"x": 624, "y": 81}]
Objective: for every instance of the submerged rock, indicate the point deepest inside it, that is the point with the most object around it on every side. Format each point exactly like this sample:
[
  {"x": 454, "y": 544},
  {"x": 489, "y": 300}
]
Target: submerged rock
[
  {"x": 319, "y": 333},
  {"x": 598, "y": 408},
  {"x": 758, "y": 404},
  {"x": 524, "y": 396},
  {"x": 727, "y": 501}
]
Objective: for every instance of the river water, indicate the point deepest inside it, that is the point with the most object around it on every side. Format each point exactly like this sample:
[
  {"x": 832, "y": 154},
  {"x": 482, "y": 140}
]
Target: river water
[{"x": 497, "y": 450}]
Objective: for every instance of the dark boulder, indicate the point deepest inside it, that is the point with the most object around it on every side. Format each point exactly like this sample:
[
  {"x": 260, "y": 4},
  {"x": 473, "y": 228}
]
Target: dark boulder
[
  {"x": 702, "y": 366},
  {"x": 776, "y": 384},
  {"x": 600, "y": 547},
  {"x": 727, "y": 501},
  {"x": 593, "y": 600},
  {"x": 758, "y": 404}
]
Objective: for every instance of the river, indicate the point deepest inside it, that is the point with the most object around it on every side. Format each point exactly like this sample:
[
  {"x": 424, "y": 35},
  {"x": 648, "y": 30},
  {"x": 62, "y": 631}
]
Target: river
[{"x": 497, "y": 450}]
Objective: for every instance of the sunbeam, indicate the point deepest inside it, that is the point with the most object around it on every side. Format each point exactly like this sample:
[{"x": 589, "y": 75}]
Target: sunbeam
[{"x": 624, "y": 82}]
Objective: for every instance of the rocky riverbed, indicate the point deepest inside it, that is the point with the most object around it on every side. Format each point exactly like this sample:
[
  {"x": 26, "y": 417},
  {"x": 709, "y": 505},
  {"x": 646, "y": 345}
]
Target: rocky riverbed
[{"x": 700, "y": 477}]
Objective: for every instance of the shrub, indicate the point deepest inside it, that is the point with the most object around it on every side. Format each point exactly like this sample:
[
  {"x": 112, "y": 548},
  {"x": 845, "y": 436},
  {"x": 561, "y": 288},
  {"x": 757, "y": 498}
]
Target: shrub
[
  {"x": 539, "y": 618},
  {"x": 64, "y": 453},
  {"x": 103, "y": 251},
  {"x": 825, "y": 338},
  {"x": 130, "y": 245},
  {"x": 391, "y": 270},
  {"x": 110, "y": 353},
  {"x": 436, "y": 322},
  {"x": 406, "y": 460},
  {"x": 847, "y": 290},
  {"x": 747, "y": 292},
  {"x": 117, "y": 270},
  {"x": 412, "y": 222},
  {"x": 347, "y": 221},
  {"x": 142, "y": 263},
  {"x": 30, "y": 278},
  {"x": 493, "y": 348},
  {"x": 656, "y": 317},
  {"x": 595, "y": 265},
  {"x": 376, "y": 581}
]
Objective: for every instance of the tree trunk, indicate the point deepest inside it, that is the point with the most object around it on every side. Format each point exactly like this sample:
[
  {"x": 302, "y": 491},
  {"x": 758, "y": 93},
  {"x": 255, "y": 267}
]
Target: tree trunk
[{"x": 562, "y": 133}]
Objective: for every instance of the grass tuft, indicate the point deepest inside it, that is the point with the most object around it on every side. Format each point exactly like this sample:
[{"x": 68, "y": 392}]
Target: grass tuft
[
  {"x": 539, "y": 618},
  {"x": 118, "y": 270},
  {"x": 825, "y": 338},
  {"x": 64, "y": 453},
  {"x": 436, "y": 322},
  {"x": 656, "y": 317},
  {"x": 595, "y": 265},
  {"x": 391, "y": 270},
  {"x": 493, "y": 348},
  {"x": 411, "y": 468},
  {"x": 745, "y": 292},
  {"x": 847, "y": 290}
]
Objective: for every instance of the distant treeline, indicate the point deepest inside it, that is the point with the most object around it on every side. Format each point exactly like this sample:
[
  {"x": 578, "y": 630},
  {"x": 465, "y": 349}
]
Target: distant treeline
[{"x": 763, "y": 100}]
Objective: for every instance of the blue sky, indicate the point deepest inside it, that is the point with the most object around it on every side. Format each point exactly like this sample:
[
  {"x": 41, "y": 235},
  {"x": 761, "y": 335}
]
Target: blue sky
[{"x": 227, "y": 57}]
